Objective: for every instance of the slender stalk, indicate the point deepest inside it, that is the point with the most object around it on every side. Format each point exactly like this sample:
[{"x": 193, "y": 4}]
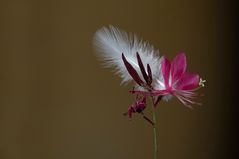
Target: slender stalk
[
  {"x": 155, "y": 134},
  {"x": 154, "y": 104}
]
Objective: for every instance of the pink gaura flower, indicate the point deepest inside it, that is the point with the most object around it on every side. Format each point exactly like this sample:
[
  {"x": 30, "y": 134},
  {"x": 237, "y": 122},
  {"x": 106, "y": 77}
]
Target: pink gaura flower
[{"x": 175, "y": 81}]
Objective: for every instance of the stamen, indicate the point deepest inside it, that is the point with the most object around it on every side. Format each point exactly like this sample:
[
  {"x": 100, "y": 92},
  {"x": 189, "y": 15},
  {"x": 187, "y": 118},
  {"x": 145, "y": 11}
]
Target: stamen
[
  {"x": 201, "y": 82},
  {"x": 184, "y": 102}
]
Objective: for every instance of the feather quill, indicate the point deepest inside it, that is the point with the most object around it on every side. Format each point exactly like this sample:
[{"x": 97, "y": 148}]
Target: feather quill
[{"x": 110, "y": 42}]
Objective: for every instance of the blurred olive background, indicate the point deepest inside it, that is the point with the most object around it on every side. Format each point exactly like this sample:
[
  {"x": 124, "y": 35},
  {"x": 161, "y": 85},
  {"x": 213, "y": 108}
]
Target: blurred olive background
[{"x": 57, "y": 102}]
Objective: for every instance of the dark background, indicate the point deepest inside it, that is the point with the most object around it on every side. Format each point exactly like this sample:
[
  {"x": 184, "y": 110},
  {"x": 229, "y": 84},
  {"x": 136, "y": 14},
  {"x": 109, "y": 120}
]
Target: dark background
[{"x": 57, "y": 102}]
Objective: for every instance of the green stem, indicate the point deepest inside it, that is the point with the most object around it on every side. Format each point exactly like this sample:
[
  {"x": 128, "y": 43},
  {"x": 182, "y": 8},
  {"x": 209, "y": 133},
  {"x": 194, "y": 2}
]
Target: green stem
[
  {"x": 154, "y": 104},
  {"x": 155, "y": 134}
]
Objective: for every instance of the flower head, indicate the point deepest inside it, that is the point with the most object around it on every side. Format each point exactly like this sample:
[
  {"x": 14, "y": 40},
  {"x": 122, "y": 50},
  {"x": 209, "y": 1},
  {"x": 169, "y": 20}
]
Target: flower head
[
  {"x": 136, "y": 60},
  {"x": 176, "y": 81}
]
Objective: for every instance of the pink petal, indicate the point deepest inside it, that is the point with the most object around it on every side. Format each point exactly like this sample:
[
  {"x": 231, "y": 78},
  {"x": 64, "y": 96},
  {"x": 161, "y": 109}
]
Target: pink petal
[
  {"x": 188, "y": 82},
  {"x": 179, "y": 65},
  {"x": 166, "y": 71}
]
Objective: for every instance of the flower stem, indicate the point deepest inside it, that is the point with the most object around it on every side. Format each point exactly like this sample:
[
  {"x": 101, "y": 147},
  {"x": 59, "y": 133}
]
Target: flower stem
[
  {"x": 155, "y": 135},
  {"x": 154, "y": 105}
]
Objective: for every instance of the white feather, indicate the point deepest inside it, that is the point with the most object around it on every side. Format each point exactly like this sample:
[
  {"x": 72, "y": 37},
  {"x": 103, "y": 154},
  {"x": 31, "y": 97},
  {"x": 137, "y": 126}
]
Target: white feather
[{"x": 111, "y": 42}]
